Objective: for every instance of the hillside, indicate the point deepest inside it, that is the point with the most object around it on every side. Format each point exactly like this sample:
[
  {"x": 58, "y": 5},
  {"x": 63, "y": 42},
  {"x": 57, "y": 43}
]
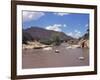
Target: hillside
[{"x": 40, "y": 34}]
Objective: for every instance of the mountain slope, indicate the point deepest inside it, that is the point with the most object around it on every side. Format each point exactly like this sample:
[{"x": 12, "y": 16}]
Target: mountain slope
[{"x": 36, "y": 33}]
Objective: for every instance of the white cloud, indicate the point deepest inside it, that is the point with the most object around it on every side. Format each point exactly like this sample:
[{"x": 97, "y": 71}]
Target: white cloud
[
  {"x": 75, "y": 34},
  {"x": 69, "y": 34},
  {"x": 55, "y": 27},
  {"x": 61, "y": 14},
  {"x": 27, "y": 16},
  {"x": 65, "y": 25},
  {"x": 76, "y": 31}
]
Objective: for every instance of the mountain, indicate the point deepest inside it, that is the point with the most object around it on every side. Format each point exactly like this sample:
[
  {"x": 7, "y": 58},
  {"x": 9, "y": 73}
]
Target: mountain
[
  {"x": 85, "y": 36},
  {"x": 37, "y": 33}
]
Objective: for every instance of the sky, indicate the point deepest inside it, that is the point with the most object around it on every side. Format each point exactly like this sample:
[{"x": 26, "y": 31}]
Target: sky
[{"x": 72, "y": 24}]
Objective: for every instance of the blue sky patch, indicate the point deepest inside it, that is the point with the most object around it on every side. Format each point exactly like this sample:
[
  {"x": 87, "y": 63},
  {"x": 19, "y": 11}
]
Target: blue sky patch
[{"x": 72, "y": 24}]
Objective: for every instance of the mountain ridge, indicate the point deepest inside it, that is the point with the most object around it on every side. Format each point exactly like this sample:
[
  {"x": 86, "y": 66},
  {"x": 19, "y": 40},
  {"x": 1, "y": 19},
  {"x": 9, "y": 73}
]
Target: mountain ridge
[{"x": 37, "y": 33}]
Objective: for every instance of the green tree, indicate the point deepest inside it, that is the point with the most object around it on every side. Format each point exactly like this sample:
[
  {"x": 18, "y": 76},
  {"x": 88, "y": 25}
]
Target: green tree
[{"x": 56, "y": 39}]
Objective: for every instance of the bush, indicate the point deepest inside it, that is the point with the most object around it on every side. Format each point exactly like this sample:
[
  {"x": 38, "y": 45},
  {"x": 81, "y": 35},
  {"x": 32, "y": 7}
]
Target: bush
[
  {"x": 46, "y": 42},
  {"x": 56, "y": 40}
]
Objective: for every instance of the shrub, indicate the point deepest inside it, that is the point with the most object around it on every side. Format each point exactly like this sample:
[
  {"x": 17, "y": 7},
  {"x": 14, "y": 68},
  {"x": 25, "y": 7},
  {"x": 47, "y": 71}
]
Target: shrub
[
  {"x": 56, "y": 40},
  {"x": 46, "y": 42}
]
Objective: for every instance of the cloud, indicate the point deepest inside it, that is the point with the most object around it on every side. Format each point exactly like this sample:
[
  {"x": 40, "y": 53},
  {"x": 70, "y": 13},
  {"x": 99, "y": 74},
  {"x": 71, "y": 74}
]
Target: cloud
[
  {"x": 76, "y": 31},
  {"x": 75, "y": 34},
  {"x": 61, "y": 14},
  {"x": 27, "y": 16},
  {"x": 55, "y": 27},
  {"x": 64, "y": 25},
  {"x": 69, "y": 34}
]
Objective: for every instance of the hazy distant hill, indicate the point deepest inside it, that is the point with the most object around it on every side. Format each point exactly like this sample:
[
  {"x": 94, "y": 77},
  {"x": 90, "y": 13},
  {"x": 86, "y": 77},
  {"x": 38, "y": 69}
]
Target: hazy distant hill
[
  {"x": 36, "y": 33},
  {"x": 86, "y": 35}
]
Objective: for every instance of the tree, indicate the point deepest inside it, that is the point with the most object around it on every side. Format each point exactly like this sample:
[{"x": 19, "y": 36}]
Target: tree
[{"x": 56, "y": 39}]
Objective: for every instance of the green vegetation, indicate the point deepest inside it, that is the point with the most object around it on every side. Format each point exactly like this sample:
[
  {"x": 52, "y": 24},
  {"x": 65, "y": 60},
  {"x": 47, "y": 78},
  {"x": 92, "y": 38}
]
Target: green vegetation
[
  {"x": 46, "y": 42},
  {"x": 55, "y": 40}
]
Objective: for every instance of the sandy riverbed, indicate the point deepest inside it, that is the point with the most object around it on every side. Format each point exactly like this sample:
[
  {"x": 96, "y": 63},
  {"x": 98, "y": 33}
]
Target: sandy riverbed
[{"x": 39, "y": 58}]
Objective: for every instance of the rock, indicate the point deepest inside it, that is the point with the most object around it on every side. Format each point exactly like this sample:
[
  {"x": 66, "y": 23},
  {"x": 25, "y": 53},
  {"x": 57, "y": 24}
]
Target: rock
[
  {"x": 73, "y": 47},
  {"x": 69, "y": 47},
  {"x": 33, "y": 45},
  {"x": 47, "y": 48},
  {"x": 57, "y": 51},
  {"x": 84, "y": 43},
  {"x": 27, "y": 47},
  {"x": 81, "y": 58}
]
